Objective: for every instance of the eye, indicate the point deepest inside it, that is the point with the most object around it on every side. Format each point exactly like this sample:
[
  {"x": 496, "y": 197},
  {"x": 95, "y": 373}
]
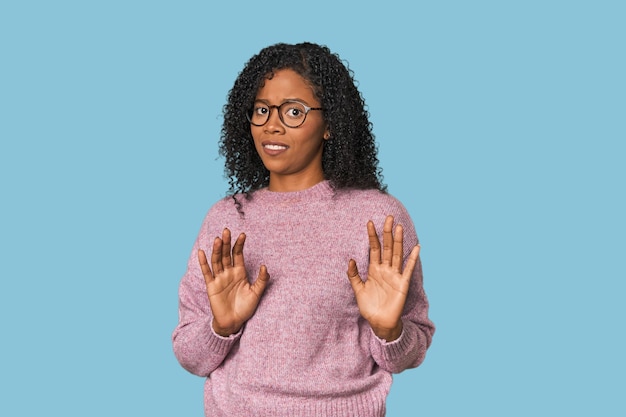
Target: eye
[
  {"x": 294, "y": 110},
  {"x": 260, "y": 110}
]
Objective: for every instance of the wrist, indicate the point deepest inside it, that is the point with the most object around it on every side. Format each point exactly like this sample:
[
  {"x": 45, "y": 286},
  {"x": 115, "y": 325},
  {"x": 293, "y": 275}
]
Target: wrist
[
  {"x": 224, "y": 331},
  {"x": 388, "y": 335}
]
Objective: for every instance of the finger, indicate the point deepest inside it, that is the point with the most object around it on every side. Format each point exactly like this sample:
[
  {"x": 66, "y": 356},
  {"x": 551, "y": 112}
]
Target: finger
[
  {"x": 354, "y": 277},
  {"x": 204, "y": 266},
  {"x": 226, "y": 259},
  {"x": 374, "y": 243},
  {"x": 388, "y": 240},
  {"x": 238, "y": 250},
  {"x": 398, "y": 249},
  {"x": 216, "y": 256},
  {"x": 411, "y": 262},
  {"x": 261, "y": 282}
]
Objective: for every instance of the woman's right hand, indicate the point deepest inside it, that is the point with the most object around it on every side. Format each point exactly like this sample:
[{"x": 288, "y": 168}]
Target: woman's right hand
[{"x": 233, "y": 299}]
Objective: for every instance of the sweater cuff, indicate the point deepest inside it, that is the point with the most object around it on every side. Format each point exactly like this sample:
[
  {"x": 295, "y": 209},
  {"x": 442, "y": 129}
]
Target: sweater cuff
[
  {"x": 220, "y": 344},
  {"x": 396, "y": 349}
]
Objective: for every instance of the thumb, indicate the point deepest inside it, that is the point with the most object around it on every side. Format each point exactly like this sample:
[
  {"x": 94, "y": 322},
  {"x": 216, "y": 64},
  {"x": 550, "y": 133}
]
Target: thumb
[
  {"x": 261, "y": 282},
  {"x": 353, "y": 276}
]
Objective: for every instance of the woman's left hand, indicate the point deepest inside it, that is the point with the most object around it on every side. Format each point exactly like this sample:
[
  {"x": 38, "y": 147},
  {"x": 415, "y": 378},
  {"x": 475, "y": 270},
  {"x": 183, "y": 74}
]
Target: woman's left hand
[{"x": 382, "y": 296}]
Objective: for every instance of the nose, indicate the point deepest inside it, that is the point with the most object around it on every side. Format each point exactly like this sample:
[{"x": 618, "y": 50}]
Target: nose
[{"x": 274, "y": 124}]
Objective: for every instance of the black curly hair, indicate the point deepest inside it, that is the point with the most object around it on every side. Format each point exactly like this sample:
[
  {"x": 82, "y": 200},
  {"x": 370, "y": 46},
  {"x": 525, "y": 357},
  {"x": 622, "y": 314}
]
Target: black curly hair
[{"x": 349, "y": 157}]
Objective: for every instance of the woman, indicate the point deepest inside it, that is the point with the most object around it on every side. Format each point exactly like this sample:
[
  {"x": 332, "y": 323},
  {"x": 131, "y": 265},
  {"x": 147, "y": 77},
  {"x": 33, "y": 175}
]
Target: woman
[{"x": 278, "y": 329}]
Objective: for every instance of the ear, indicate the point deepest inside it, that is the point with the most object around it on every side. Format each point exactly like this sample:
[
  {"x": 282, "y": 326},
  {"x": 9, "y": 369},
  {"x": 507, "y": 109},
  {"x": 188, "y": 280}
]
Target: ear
[{"x": 326, "y": 134}]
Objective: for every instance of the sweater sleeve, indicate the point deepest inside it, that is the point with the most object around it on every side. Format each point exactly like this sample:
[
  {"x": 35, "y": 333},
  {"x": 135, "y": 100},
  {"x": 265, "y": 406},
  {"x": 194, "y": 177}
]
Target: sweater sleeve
[
  {"x": 409, "y": 350},
  {"x": 196, "y": 346}
]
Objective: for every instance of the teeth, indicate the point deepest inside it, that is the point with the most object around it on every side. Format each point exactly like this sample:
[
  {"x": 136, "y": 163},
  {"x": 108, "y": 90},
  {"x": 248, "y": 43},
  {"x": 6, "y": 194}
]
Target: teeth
[{"x": 275, "y": 147}]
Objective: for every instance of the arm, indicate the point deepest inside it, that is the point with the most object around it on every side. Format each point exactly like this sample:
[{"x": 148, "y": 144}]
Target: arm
[
  {"x": 409, "y": 349},
  {"x": 392, "y": 298},
  {"x": 197, "y": 347},
  {"x": 215, "y": 302}
]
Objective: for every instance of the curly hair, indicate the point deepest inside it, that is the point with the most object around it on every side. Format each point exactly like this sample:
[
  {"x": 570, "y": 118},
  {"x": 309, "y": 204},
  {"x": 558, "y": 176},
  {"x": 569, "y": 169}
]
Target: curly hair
[{"x": 349, "y": 157}]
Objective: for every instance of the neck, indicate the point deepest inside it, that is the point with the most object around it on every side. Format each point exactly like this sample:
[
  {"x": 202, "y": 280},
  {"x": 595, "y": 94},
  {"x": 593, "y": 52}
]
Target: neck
[{"x": 293, "y": 183}]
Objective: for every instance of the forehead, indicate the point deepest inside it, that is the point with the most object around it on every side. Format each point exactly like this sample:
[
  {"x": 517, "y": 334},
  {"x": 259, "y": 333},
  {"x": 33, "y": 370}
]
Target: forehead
[{"x": 286, "y": 84}]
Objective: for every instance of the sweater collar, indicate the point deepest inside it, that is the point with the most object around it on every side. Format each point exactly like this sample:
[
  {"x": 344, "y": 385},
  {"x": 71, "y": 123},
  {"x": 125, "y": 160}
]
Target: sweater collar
[{"x": 320, "y": 190}]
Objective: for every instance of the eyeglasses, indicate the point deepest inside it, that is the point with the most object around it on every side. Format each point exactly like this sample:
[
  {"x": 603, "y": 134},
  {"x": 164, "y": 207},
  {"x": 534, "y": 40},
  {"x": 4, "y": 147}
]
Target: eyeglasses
[{"x": 292, "y": 113}]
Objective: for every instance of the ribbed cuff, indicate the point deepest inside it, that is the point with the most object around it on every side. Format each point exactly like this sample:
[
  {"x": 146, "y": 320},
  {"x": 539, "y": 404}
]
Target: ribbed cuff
[
  {"x": 220, "y": 344},
  {"x": 396, "y": 349}
]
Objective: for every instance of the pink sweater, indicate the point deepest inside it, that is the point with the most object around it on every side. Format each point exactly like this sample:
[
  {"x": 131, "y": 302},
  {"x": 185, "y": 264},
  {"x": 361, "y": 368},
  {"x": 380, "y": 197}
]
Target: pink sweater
[{"x": 306, "y": 351}]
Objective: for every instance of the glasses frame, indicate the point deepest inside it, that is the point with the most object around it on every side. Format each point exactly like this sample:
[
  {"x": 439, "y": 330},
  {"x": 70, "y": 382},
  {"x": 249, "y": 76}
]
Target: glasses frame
[{"x": 307, "y": 109}]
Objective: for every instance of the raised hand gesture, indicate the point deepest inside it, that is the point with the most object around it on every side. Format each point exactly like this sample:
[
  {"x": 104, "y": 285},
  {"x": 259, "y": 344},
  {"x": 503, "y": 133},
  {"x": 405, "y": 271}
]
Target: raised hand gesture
[
  {"x": 233, "y": 299},
  {"x": 382, "y": 296}
]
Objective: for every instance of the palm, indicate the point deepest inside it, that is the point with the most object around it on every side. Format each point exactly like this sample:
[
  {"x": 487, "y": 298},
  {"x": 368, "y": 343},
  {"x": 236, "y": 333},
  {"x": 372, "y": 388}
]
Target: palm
[
  {"x": 233, "y": 299},
  {"x": 382, "y": 296}
]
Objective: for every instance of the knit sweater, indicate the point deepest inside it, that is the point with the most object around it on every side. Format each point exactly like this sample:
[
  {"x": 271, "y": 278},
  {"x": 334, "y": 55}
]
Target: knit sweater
[{"x": 306, "y": 351}]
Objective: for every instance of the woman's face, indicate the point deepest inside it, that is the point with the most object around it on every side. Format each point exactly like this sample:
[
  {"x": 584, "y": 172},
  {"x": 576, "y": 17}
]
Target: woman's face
[{"x": 293, "y": 155}]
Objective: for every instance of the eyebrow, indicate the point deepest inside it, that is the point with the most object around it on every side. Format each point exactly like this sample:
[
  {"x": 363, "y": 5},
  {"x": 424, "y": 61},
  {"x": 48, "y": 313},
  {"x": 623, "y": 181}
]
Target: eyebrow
[{"x": 299, "y": 100}]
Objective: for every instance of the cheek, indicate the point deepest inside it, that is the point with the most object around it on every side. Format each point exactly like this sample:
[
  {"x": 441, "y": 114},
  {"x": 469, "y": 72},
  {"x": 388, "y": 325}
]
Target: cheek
[{"x": 256, "y": 135}]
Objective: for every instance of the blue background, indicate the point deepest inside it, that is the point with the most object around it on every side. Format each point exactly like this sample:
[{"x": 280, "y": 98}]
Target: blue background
[{"x": 501, "y": 126}]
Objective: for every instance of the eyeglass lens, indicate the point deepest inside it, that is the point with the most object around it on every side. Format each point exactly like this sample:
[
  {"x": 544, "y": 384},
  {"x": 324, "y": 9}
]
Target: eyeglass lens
[{"x": 291, "y": 113}]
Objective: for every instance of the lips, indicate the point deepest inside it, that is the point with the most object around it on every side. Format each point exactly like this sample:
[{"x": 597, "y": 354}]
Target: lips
[{"x": 274, "y": 148}]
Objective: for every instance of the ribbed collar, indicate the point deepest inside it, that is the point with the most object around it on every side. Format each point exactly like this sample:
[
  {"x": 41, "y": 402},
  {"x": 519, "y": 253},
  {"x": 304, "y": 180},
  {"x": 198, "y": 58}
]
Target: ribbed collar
[{"x": 321, "y": 190}]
